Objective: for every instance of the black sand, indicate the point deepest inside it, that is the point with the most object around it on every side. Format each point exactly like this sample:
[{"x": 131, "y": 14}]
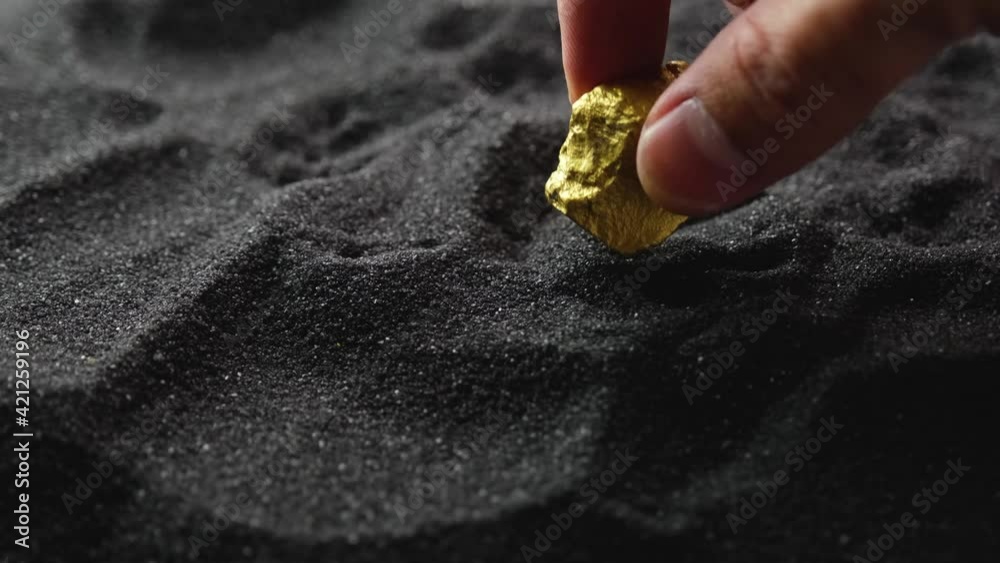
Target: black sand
[{"x": 383, "y": 285}]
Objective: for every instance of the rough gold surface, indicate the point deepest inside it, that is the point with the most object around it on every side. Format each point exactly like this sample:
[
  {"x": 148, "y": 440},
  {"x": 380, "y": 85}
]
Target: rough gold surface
[{"x": 596, "y": 183}]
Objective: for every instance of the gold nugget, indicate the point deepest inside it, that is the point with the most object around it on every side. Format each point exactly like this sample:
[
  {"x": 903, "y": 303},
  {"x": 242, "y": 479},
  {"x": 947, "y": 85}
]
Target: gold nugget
[{"x": 596, "y": 183}]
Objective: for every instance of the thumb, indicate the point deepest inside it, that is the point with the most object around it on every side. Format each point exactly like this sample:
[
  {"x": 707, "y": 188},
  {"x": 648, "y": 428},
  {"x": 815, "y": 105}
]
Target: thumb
[{"x": 778, "y": 87}]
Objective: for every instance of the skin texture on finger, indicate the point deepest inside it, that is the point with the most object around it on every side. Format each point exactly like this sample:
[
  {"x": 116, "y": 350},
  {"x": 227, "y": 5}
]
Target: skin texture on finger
[
  {"x": 745, "y": 94},
  {"x": 609, "y": 40}
]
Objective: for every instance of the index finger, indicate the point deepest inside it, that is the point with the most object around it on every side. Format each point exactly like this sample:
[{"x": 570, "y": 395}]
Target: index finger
[{"x": 607, "y": 40}]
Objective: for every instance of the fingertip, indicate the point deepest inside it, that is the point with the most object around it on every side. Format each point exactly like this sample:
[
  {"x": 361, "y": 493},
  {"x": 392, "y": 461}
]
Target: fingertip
[
  {"x": 687, "y": 164},
  {"x": 604, "y": 42}
]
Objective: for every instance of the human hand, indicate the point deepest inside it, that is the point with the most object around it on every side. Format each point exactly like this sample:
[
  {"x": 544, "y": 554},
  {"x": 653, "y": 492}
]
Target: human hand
[{"x": 781, "y": 84}]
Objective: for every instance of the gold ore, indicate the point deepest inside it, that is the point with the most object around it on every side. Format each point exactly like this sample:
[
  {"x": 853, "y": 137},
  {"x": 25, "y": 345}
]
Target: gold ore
[{"x": 596, "y": 183}]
